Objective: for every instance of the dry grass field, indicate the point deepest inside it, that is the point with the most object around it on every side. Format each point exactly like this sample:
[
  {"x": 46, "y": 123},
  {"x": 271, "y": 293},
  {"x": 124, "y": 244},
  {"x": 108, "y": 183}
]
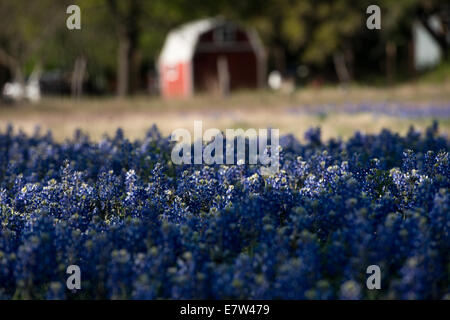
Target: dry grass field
[{"x": 294, "y": 113}]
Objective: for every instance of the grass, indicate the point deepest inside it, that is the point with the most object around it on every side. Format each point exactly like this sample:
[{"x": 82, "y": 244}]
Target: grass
[
  {"x": 260, "y": 109},
  {"x": 438, "y": 75}
]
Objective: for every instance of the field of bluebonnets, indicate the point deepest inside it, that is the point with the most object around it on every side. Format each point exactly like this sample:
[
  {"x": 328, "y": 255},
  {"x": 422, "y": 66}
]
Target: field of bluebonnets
[{"x": 140, "y": 227}]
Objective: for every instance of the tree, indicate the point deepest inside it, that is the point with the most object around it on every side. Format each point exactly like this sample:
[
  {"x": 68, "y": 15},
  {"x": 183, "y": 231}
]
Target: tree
[
  {"x": 24, "y": 29},
  {"x": 126, "y": 15},
  {"x": 307, "y": 31},
  {"x": 435, "y": 8}
]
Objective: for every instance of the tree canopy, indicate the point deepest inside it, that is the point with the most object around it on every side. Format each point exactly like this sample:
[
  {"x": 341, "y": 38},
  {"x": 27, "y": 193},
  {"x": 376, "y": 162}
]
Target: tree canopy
[{"x": 121, "y": 39}]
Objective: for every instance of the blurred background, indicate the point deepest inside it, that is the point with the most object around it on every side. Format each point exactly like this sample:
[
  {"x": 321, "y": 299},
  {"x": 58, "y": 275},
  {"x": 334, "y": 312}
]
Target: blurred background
[{"x": 287, "y": 64}]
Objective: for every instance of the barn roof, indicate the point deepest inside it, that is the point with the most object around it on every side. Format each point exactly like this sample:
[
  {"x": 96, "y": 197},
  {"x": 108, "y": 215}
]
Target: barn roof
[{"x": 180, "y": 43}]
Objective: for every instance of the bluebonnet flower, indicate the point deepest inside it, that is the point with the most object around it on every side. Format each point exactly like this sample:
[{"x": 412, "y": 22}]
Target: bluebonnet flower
[{"x": 140, "y": 227}]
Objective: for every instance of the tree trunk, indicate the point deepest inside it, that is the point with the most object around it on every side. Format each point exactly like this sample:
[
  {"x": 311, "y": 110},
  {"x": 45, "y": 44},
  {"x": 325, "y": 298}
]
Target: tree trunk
[
  {"x": 391, "y": 57},
  {"x": 127, "y": 65},
  {"x": 13, "y": 66},
  {"x": 127, "y": 31},
  {"x": 349, "y": 62},
  {"x": 123, "y": 65},
  {"x": 341, "y": 68},
  {"x": 78, "y": 74},
  {"x": 18, "y": 75},
  {"x": 280, "y": 59}
]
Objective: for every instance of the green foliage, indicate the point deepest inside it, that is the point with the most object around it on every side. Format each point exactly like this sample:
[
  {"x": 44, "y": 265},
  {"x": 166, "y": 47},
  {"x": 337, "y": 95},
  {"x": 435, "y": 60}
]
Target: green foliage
[
  {"x": 302, "y": 31},
  {"x": 438, "y": 75},
  {"x": 25, "y": 27}
]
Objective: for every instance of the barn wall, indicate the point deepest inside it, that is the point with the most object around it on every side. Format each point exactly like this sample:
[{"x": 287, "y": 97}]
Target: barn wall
[
  {"x": 242, "y": 68},
  {"x": 176, "y": 80},
  {"x": 241, "y": 58}
]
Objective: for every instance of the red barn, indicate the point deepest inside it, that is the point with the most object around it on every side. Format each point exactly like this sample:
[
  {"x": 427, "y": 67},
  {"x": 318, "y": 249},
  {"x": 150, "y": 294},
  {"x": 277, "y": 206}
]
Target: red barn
[{"x": 211, "y": 55}]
